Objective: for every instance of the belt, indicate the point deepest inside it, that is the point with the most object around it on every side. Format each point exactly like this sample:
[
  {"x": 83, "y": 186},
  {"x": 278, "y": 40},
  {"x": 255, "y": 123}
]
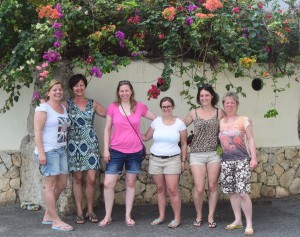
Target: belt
[{"x": 164, "y": 157}]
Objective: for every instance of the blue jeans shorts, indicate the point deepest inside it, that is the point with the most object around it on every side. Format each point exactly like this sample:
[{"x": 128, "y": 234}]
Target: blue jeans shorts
[
  {"x": 56, "y": 162},
  {"x": 132, "y": 162}
]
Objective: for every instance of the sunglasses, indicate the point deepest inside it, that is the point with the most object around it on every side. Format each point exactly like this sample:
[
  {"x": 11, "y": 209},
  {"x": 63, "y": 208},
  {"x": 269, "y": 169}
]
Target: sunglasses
[
  {"x": 124, "y": 82},
  {"x": 205, "y": 85}
]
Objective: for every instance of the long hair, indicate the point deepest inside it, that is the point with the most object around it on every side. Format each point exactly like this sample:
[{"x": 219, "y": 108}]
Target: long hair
[
  {"x": 132, "y": 99},
  {"x": 210, "y": 89}
]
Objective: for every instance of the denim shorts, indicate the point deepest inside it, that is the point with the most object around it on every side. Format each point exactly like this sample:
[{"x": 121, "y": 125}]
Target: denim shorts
[
  {"x": 56, "y": 162},
  {"x": 132, "y": 162}
]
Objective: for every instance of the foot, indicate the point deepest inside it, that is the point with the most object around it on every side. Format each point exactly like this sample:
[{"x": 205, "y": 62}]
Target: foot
[
  {"x": 92, "y": 217},
  {"x": 129, "y": 222},
  {"x": 79, "y": 219},
  {"x": 197, "y": 223},
  {"x": 105, "y": 222},
  {"x": 65, "y": 227},
  {"x": 157, "y": 221},
  {"x": 47, "y": 222},
  {"x": 212, "y": 224},
  {"x": 249, "y": 231},
  {"x": 233, "y": 226},
  {"x": 174, "y": 224}
]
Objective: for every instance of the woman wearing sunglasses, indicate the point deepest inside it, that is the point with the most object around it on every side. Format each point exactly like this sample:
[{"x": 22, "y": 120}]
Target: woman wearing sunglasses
[
  {"x": 204, "y": 159},
  {"x": 123, "y": 146},
  {"x": 167, "y": 160}
]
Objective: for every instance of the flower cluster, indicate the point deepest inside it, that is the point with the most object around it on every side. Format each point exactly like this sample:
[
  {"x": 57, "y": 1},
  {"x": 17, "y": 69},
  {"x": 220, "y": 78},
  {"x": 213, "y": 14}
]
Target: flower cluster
[
  {"x": 247, "y": 62},
  {"x": 169, "y": 13},
  {"x": 213, "y": 5},
  {"x": 48, "y": 11},
  {"x": 134, "y": 20},
  {"x": 96, "y": 72},
  {"x": 120, "y": 36},
  {"x": 153, "y": 92}
]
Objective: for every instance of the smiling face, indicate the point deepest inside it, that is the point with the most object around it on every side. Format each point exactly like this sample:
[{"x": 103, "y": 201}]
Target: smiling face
[
  {"x": 167, "y": 108},
  {"x": 79, "y": 88},
  {"x": 230, "y": 105},
  {"x": 205, "y": 97},
  {"x": 56, "y": 92},
  {"x": 125, "y": 92}
]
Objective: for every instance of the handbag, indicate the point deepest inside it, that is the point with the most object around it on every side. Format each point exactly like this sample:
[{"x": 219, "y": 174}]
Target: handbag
[{"x": 144, "y": 153}]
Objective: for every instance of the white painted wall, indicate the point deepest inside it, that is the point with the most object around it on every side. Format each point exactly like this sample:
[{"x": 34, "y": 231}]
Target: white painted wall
[{"x": 274, "y": 132}]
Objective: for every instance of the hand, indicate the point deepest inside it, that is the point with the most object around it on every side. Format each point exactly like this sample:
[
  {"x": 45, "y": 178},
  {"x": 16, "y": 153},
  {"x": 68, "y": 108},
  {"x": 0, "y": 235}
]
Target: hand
[
  {"x": 42, "y": 159},
  {"x": 253, "y": 164},
  {"x": 106, "y": 156},
  {"x": 182, "y": 167}
]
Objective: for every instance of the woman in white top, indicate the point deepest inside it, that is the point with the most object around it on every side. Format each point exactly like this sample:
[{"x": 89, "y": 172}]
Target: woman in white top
[
  {"x": 51, "y": 122},
  {"x": 167, "y": 160}
]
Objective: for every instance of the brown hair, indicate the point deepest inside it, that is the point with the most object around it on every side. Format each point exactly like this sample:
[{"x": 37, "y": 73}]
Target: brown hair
[{"x": 132, "y": 99}]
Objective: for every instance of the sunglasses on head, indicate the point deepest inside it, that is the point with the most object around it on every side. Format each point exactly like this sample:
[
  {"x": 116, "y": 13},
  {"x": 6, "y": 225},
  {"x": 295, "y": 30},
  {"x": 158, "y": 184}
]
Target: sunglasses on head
[
  {"x": 124, "y": 82},
  {"x": 206, "y": 85}
]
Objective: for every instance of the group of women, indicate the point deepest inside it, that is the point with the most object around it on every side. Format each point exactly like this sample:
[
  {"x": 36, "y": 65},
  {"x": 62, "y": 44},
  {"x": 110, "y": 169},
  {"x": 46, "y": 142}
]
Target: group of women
[{"x": 123, "y": 145}]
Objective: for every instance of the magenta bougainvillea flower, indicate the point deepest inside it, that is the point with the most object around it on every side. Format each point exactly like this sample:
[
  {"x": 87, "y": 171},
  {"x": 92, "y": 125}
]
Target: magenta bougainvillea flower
[
  {"x": 52, "y": 56},
  {"x": 96, "y": 72}
]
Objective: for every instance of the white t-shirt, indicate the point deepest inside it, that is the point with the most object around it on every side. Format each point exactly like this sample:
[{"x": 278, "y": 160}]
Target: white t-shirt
[
  {"x": 166, "y": 137},
  {"x": 55, "y": 129}
]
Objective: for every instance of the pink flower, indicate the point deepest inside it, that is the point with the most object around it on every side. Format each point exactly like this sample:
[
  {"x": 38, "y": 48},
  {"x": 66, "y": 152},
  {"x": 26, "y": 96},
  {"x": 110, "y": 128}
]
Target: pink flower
[
  {"x": 260, "y": 5},
  {"x": 267, "y": 49},
  {"x": 236, "y": 10},
  {"x": 44, "y": 65},
  {"x": 44, "y": 73},
  {"x": 89, "y": 59},
  {"x": 38, "y": 68},
  {"x": 36, "y": 96},
  {"x": 161, "y": 36}
]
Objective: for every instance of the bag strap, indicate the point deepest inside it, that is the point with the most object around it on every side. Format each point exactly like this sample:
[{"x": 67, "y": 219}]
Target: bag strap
[{"x": 132, "y": 125}]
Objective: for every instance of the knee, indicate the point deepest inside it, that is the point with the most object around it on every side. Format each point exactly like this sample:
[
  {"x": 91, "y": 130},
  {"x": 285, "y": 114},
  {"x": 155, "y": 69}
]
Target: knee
[
  {"x": 109, "y": 185},
  {"x": 173, "y": 192},
  {"x": 212, "y": 188},
  {"x": 160, "y": 189},
  {"x": 78, "y": 180},
  {"x": 244, "y": 196},
  {"x": 91, "y": 182},
  {"x": 130, "y": 183},
  {"x": 199, "y": 191}
]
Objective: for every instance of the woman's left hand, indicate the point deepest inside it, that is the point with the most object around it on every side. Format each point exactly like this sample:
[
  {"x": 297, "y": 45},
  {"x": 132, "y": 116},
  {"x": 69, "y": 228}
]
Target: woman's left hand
[
  {"x": 253, "y": 164},
  {"x": 182, "y": 167}
]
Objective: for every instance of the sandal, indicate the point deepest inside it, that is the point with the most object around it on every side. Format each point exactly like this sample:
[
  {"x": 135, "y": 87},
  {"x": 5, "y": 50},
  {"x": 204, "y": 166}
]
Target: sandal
[
  {"x": 129, "y": 222},
  {"x": 79, "y": 219},
  {"x": 157, "y": 221},
  {"x": 197, "y": 223},
  {"x": 233, "y": 227},
  {"x": 92, "y": 217},
  {"x": 212, "y": 224},
  {"x": 104, "y": 222},
  {"x": 174, "y": 224},
  {"x": 249, "y": 231}
]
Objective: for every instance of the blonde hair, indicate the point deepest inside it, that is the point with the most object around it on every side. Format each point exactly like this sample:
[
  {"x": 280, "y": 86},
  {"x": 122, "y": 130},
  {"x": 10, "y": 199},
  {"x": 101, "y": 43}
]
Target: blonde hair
[
  {"x": 53, "y": 83},
  {"x": 231, "y": 94}
]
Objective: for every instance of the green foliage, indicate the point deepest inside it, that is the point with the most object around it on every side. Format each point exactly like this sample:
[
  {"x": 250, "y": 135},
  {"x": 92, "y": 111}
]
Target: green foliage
[{"x": 188, "y": 37}]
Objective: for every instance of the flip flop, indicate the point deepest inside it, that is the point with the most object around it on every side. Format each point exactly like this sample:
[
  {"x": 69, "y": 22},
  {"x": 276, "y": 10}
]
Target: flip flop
[
  {"x": 157, "y": 221},
  {"x": 174, "y": 224},
  {"x": 104, "y": 223},
  {"x": 47, "y": 222},
  {"x": 212, "y": 224},
  {"x": 233, "y": 227},
  {"x": 92, "y": 217},
  {"x": 64, "y": 228},
  {"x": 197, "y": 223},
  {"x": 129, "y": 222},
  {"x": 80, "y": 219},
  {"x": 249, "y": 231}
]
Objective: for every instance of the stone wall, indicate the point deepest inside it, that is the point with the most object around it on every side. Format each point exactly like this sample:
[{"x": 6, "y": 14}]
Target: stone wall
[
  {"x": 277, "y": 175},
  {"x": 10, "y": 163}
]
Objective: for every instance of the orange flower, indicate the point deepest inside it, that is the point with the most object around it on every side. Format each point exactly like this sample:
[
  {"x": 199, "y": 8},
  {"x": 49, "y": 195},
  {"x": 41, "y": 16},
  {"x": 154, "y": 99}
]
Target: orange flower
[
  {"x": 47, "y": 11},
  {"x": 201, "y": 15},
  {"x": 213, "y": 5},
  {"x": 169, "y": 13},
  {"x": 265, "y": 74}
]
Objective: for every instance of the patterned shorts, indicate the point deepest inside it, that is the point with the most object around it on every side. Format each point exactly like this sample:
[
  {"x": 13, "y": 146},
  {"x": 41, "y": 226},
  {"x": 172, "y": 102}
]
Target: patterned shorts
[{"x": 236, "y": 176}]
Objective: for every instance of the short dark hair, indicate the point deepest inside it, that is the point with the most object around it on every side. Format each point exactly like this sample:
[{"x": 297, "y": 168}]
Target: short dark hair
[
  {"x": 75, "y": 79},
  {"x": 209, "y": 88},
  {"x": 167, "y": 99}
]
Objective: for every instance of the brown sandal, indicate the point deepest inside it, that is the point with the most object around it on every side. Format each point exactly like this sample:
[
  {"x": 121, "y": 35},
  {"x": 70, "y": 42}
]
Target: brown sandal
[
  {"x": 92, "y": 217},
  {"x": 80, "y": 219}
]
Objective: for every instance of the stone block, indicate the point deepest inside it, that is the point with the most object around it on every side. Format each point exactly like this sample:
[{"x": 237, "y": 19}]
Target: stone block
[
  {"x": 262, "y": 177},
  {"x": 143, "y": 177},
  {"x": 120, "y": 198},
  {"x": 15, "y": 183},
  {"x": 139, "y": 188},
  {"x": 254, "y": 177},
  {"x": 120, "y": 185},
  {"x": 13, "y": 172},
  {"x": 279, "y": 150},
  {"x": 150, "y": 191},
  {"x": 268, "y": 168},
  {"x": 259, "y": 168},
  {"x": 8, "y": 197},
  {"x": 290, "y": 153},
  {"x": 3, "y": 169},
  {"x": 287, "y": 178},
  {"x": 255, "y": 190},
  {"x": 4, "y": 184},
  {"x": 279, "y": 158},
  {"x": 185, "y": 195},
  {"x": 285, "y": 164},
  {"x": 272, "y": 160},
  {"x": 186, "y": 180},
  {"x": 298, "y": 172},
  {"x": 6, "y": 158},
  {"x": 267, "y": 191},
  {"x": 295, "y": 186},
  {"x": 272, "y": 180},
  {"x": 281, "y": 192},
  {"x": 16, "y": 159},
  {"x": 263, "y": 157},
  {"x": 278, "y": 170}
]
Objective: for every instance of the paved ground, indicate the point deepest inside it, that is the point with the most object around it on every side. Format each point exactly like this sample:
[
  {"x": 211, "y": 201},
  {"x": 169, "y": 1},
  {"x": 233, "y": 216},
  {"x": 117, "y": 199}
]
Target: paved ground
[{"x": 272, "y": 218}]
